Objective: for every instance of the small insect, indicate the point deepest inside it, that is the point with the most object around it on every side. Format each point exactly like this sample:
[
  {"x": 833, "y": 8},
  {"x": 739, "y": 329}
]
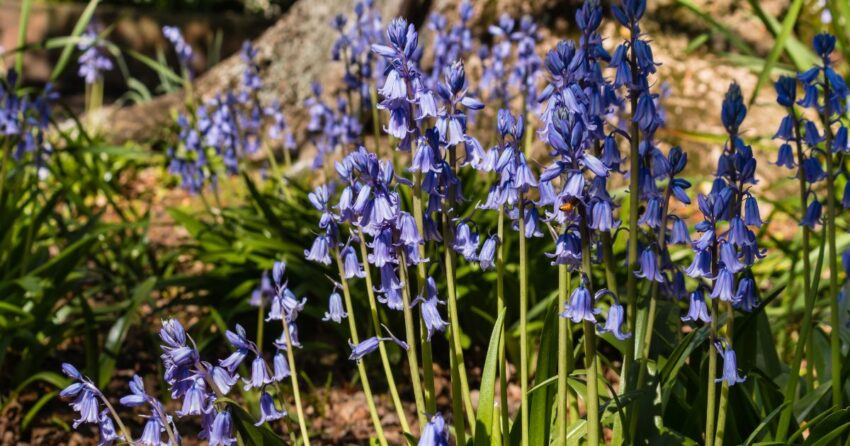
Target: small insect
[{"x": 569, "y": 205}]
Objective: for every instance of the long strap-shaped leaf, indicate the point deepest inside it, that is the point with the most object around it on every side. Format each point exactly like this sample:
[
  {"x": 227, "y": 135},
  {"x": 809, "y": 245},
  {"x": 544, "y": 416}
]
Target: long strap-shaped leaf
[
  {"x": 484, "y": 417},
  {"x": 778, "y": 46}
]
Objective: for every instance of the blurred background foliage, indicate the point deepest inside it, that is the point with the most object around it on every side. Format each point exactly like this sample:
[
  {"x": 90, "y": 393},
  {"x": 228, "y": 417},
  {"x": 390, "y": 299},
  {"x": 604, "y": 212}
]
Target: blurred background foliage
[{"x": 103, "y": 248}]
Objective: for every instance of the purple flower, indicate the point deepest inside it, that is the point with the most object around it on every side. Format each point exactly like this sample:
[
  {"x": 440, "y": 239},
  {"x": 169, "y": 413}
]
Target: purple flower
[
  {"x": 319, "y": 252},
  {"x": 221, "y": 431},
  {"x": 351, "y": 264},
  {"x": 813, "y": 214},
  {"x": 730, "y": 366},
  {"x": 428, "y": 306},
  {"x": 679, "y": 235},
  {"x": 268, "y": 410},
  {"x": 580, "y": 307},
  {"x": 259, "y": 374},
  {"x": 649, "y": 266},
  {"x": 108, "y": 434},
  {"x": 488, "y": 253},
  {"x": 335, "y": 312},
  {"x": 434, "y": 433},
  {"x": 724, "y": 286},
  {"x": 614, "y": 323},
  {"x": 358, "y": 351},
  {"x": 281, "y": 367},
  {"x": 697, "y": 311}
]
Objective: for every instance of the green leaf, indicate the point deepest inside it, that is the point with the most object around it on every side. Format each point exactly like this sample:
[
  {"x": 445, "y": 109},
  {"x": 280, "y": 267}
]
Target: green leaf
[
  {"x": 765, "y": 424},
  {"x": 828, "y": 428},
  {"x": 81, "y": 25},
  {"x": 23, "y": 23},
  {"x": 733, "y": 38},
  {"x": 778, "y": 47},
  {"x": 36, "y": 408},
  {"x": 484, "y": 416},
  {"x": 161, "y": 69},
  {"x": 118, "y": 333},
  {"x": 540, "y": 411}
]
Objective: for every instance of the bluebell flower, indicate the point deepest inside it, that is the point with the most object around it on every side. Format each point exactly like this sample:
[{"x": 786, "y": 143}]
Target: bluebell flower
[
  {"x": 487, "y": 254},
  {"x": 221, "y": 431},
  {"x": 812, "y": 170},
  {"x": 93, "y": 61},
  {"x": 106, "y": 428},
  {"x": 652, "y": 214},
  {"x": 786, "y": 91},
  {"x": 195, "y": 399},
  {"x": 435, "y": 432},
  {"x": 390, "y": 288},
  {"x": 466, "y": 241},
  {"x": 602, "y": 218},
  {"x": 369, "y": 345},
  {"x": 729, "y": 257},
  {"x": 351, "y": 264},
  {"x": 137, "y": 396},
  {"x": 223, "y": 379},
  {"x": 335, "y": 312},
  {"x": 183, "y": 50},
  {"x": 320, "y": 251},
  {"x": 85, "y": 395},
  {"x": 281, "y": 367},
  {"x": 785, "y": 157},
  {"x": 614, "y": 323},
  {"x": 240, "y": 342},
  {"x": 649, "y": 266},
  {"x": 697, "y": 311},
  {"x": 746, "y": 298},
  {"x": 268, "y": 410},
  {"x": 724, "y": 286},
  {"x": 259, "y": 374},
  {"x": 701, "y": 266},
  {"x": 152, "y": 433},
  {"x": 428, "y": 306},
  {"x": 730, "y": 365},
  {"x": 567, "y": 250},
  {"x": 752, "y": 216},
  {"x": 679, "y": 235},
  {"x": 813, "y": 214},
  {"x": 580, "y": 308}
]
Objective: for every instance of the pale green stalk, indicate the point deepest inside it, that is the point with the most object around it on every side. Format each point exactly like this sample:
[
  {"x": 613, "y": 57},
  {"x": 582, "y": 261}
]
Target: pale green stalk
[
  {"x": 523, "y": 322},
  {"x": 834, "y": 338},
  {"x": 710, "y": 412},
  {"x": 296, "y": 393},
  {"x": 591, "y": 398},
  {"x": 724, "y": 389},
  {"x": 427, "y": 361},
  {"x": 361, "y": 368},
  {"x": 805, "y": 333},
  {"x": 410, "y": 331},
  {"x": 500, "y": 306},
  {"x": 376, "y": 326},
  {"x": 563, "y": 348}
]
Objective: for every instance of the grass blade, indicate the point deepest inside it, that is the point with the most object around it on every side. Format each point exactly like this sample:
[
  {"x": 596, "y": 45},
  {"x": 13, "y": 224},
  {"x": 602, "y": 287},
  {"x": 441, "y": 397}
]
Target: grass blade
[
  {"x": 778, "y": 47},
  {"x": 733, "y": 38},
  {"x": 65, "y": 57},
  {"x": 23, "y": 24}
]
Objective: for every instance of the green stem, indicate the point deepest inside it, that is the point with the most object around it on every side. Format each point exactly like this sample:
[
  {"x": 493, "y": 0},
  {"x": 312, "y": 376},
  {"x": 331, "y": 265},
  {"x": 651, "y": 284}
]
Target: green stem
[
  {"x": 427, "y": 360},
  {"x": 376, "y": 326},
  {"x": 410, "y": 330},
  {"x": 724, "y": 389},
  {"x": 563, "y": 348},
  {"x": 128, "y": 436},
  {"x": 500, "y": 306},
  {"x": 523, "y": 322},
  {"x": 260, "y": 322},
  {"x": 296, "y": 393},
  {"x": 634, "y": 200},
  {"x": 804, "y": 340},
  {"x": 361, "y": 368},
  {"x": 591, "y": 398},
  {"x": 710, "y": 412},
  {"x": 460, "y": 393}
]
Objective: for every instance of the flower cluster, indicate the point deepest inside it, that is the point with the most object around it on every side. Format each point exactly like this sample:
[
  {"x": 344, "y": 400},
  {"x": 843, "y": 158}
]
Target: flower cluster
[{"x": 93, "y": 61}]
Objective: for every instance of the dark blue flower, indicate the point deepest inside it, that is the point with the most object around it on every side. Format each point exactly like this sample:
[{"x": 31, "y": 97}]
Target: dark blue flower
[
  {"x": 785, "y": 157},
  {"x": 813, "y": 213},
  {"x": 221, "y": 431}
]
